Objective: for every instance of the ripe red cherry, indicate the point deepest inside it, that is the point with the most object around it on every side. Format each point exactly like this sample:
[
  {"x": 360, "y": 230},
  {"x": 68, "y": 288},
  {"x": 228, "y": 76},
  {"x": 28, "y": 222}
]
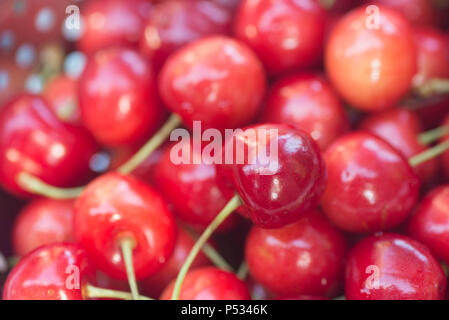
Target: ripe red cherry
[
  {"x": 400, "y": 128},
  {"x": 118, "y": 84},
  {"x": 283, "y": 189},
  {"x": 285, "y": 34},
  {"x": 210, "y": 283},
  {"x": 372, "y": 68},
  {"x": 173, "y": 24},
  {"x": 110, "y": 23},
  {"x": 306, "y": 257},
  {"x": 216, "y": 80},
  {"x": 41, "y": 222},
  {"x": 52, "y": 272},
  {"x": 114, "y": 207},
  {"x": 62, "y": 94},
  {"x": 371, "y": 186},
  {"x": 308, "y": 102},
  {"x": 34, "y": 141},
  {"x": 393, "y": 267}
]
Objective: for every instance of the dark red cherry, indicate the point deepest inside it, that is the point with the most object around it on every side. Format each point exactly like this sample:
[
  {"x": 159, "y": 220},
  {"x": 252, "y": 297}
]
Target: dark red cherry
[
  {"x": 114, "y": 207},
  {"x": 209, "y": 283},
  {"x": 285, "y": 34},
  {"x": 175, "y": 23},
  {"x": 216, "y": 80},
  {"x": 53, "y": 272},
  {"x": 393, "y": 267},
  {"x": 277, "y": 187},
  {"x": 371, "y": 186},
  {"x": 400, "y": 128},
  {"x": 33, "y": 140},
  {"x": 371, "y": 66},
  {"x": 108, "y": 23},
  {"x": 306, "y": 257},
  {"x": 43, "y": 221},
  {"x": 119, "y": 85},
  {"x": 308, "y": 102}
]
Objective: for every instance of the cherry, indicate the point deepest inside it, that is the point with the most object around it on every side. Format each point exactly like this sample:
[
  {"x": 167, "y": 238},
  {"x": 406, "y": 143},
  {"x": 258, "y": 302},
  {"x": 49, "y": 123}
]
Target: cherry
[
  {"x": 43, "y": 221},
  {"x": 175, "y": 23},
  {"x": 371, "y": 66},
  {"x": 285, "y": 34},
  {"x": 53, "y": 272},
  {"x": 216, "y": 80},
  {"x": 118, "y": 83},
  {"x": 209, "y": 283},
  {"x": 308, "y": 102},
  {"x": 34, "y": 142},
  {"x": 371, "y": 186},
  {"x": 110, "y": 23},
  {"x": 306, "y": 257},
  {"x": 393, "y": 267}
]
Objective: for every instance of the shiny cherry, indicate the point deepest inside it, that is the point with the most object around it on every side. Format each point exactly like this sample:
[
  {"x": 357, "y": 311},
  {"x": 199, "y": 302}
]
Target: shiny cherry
[
  {"x": 114, "y": 207},
  {"x": 308, "y": 102},
  {"x": 371, "y": 186},
  {"x": 393, "y": 267},
  {"x": 216, "y": 80},
  {"x": 52, "y": 272},
  {"x": 371, "y": 66},
  {"x": 306, "y": 257},
  {"x": 43, "y": 221},
  {"x": 118, "y": 84},
  {"x": 285, "y": 34},
  {"x": 209, "y": 283}
]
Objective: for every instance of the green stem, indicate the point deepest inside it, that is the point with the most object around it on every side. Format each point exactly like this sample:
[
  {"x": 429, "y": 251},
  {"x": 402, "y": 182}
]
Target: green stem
[
  {"x": 242, "y": 272},
  {"x": 432, "y": 135},
  {"x": 433, "y": 87},
  {"x": 35, "y": 185},
  {"x": 429, "y": 154},
  {"x": 91, "y": 292},
  {"x": 127, "y": 245},
  {"x": 232, "y": 204},
  {"x": 327, "y": 4}
]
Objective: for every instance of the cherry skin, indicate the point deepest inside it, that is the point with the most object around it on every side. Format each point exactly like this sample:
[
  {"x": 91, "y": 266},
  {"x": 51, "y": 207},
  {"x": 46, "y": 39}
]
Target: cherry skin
[
  {"x": 41, "y": 222},
  {"x": 371, "y": 187},
  {"x": 34, "y": 141},
  {"x": 371, "y": 68},
  {"x": 308, "y": 102},
  {"x": 44, "y": 273},
  {"x": 281, "y": 190},
  {"x": 400, "y": 128},
  {"x": 209, "y": 283},
  {"x": 114, "y": 207},
  {"x": 285, "y": 34},
  {"x": 119, "y": 85},
  {"x": 216, "y": 80},
  {"x": 306, "y": 257},
  {"x": 393, "y": 267}
]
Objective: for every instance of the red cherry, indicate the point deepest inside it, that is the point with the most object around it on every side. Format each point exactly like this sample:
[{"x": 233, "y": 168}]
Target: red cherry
[
  {"x": 283, "y": 189},
  {"x": 285, "y": 34},
  {"x": 393, "y": 267},
  {"x": 372, "y": 68},
  {"x": 308, "y": 102},
  {"x": 216, "y": 80},
  {"x": 110, "y": 23},
  {"x": 175, "y": 23},
  {"x": 209, "y": 283},
  {"x": 52, "y": 272},
  {"x": 34, "y": 141},
  {"x": 41, "y": 222},
  {"x": 371, "y": 186},
  {"x": 306, "y": 257},
  {"x": 118, "y": 84},
  {"x": 114, "y": 207}
]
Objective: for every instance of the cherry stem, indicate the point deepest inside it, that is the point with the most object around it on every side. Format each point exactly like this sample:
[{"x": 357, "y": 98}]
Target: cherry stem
[
  {"x": 433, "y": 87},
  {"x": 158, "y": 138},
  {"x": 232, "y": 204},
  {"x": 327, "y": 4},
  {"x": 242, "y": 272},
  {"x": 35, "y": 185},
  {"x": 127, "y": 245},
  {"x": 428, "y": 154},
  {"x": 432, "y": 135},
  {"x": 91, "y": 292}
]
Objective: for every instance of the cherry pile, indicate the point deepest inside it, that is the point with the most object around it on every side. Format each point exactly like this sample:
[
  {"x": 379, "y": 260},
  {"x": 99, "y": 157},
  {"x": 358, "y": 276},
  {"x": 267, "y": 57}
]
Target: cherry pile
[{"x": 355, "y": 206}]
